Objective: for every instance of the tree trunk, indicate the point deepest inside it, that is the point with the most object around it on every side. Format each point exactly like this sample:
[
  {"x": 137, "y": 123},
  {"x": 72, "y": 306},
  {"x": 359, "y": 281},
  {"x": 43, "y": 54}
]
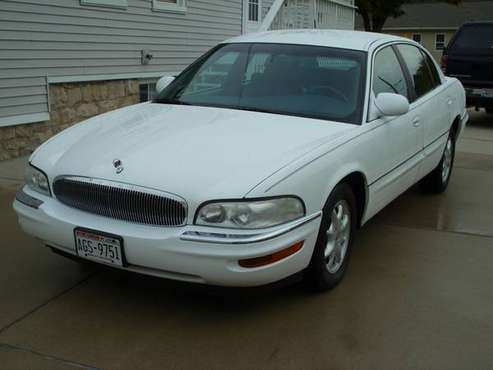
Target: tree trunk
[
  {"x": 377, "y": 23},
  {"x": 366, "y": 21}
]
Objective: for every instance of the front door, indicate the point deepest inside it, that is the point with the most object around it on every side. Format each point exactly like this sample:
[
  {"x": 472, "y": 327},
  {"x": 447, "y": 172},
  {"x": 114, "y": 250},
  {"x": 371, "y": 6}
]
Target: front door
[
  {"x": 397, "y": 140},
  {"x": 252, "y": 15}
]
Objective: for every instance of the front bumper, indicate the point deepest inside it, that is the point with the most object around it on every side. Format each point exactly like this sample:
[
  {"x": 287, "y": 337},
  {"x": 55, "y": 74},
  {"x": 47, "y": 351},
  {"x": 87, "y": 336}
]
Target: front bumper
[{"x": 189, "y": 253}]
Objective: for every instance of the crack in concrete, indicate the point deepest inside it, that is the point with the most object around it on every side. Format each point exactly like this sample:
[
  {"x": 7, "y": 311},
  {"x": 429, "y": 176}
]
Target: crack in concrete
[
  {"x": 44, "y": 304},
  {"x": 428, "y": 228},
  {"x": 472, "y": 169},
  {"x": 11, "y": 179},
  {"x": 13, "y": 348},
  {"x": 476, "y": 139}
]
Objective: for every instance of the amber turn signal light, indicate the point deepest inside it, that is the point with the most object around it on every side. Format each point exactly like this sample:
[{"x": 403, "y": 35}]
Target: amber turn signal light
[{"x": 271, "y": 258}]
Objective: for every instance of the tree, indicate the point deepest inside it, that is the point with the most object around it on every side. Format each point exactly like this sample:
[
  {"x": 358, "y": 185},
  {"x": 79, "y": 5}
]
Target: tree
[{"x": 376, "y": 12}]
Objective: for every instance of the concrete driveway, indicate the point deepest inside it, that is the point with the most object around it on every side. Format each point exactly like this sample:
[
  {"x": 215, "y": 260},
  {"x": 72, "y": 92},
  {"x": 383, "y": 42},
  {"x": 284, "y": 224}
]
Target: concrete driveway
[{"x": 418, "y": 295}]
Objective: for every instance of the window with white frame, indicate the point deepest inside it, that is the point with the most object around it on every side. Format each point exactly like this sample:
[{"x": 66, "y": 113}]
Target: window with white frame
[
  {"x": 106, "y": 3},
  {"x": 417, "y": 37},
  {"x": 439, "y": 41},
  {"x": 147, "y": 90},
  {"x": 177, "y": 6},
  {"x": 253, "y": 10}
]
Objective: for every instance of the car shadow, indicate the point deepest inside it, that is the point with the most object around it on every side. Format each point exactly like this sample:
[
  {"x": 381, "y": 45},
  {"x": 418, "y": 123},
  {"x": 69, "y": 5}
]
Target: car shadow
[
  {"x": 480, "y": 119},
  {"x": 183, "y": 296}
]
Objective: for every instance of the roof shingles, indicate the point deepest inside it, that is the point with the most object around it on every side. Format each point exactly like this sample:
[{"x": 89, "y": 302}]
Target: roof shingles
[{"x": 441, "y": 15}]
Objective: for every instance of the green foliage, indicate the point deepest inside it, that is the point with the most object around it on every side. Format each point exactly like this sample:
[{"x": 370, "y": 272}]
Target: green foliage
[{"x": 376, "y": 12}]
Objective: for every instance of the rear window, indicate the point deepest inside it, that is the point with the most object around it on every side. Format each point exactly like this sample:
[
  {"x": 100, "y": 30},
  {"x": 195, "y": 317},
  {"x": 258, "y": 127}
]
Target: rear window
[{"x": 478, "y": 36}]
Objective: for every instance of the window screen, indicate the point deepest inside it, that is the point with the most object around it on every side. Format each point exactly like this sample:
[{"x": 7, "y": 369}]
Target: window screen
[{"x": 439, "y": 41}]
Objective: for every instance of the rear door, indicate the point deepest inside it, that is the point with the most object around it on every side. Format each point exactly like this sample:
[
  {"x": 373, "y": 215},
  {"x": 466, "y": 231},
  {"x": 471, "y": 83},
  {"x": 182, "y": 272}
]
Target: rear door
[{"x": 470, "y": 55}]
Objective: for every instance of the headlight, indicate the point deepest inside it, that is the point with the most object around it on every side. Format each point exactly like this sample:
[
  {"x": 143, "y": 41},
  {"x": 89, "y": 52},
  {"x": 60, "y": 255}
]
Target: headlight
[
  {"x": 37, "y": 180},
  {"x": 255, "y": 214}
]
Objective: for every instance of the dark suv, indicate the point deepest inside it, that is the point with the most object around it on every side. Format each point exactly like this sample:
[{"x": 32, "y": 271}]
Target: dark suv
[{"x": 469, "y": 57}]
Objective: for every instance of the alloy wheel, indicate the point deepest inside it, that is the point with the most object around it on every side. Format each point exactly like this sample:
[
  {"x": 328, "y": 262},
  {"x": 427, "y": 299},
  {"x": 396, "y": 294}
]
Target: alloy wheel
[
  {"x": 447, "y": 160},
  {"x": 338, "y": 236}
]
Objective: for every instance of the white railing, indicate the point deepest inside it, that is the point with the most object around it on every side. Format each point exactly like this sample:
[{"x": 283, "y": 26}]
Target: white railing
[
  {"x": 296, "y": 14},
  {"x": 271, "y": 14}
]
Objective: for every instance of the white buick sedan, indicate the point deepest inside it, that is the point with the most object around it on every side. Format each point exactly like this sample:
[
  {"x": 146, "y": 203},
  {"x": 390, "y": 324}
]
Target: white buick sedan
[{"x": 259, "y": 161}]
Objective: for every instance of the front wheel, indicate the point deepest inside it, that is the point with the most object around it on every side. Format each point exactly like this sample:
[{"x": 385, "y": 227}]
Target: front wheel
[
  {"x": 437, "y": 181},
  {"x": 331, "y": 254}
]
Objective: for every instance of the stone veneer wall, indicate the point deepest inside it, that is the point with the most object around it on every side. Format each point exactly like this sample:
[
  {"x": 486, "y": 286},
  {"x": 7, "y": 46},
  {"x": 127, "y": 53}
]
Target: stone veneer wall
[{"x": 70, "y": 103}]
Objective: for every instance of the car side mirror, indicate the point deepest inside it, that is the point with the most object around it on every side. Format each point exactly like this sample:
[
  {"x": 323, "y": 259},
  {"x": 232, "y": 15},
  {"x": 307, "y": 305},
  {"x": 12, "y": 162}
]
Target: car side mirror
[
  {"x": 163, "y": 83},
  {"x": 392, "y": 104}
]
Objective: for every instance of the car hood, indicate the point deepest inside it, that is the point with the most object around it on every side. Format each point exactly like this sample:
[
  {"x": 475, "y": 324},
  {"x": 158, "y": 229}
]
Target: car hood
[{"x": 195, "y": 152}]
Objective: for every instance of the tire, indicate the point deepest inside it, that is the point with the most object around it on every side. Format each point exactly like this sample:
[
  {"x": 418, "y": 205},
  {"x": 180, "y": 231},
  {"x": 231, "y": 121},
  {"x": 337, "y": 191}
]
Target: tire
[
  {"x": 437, "y": 180},
  {"x": 326, "y": 270},
  {"x": 489, "y": 110}
]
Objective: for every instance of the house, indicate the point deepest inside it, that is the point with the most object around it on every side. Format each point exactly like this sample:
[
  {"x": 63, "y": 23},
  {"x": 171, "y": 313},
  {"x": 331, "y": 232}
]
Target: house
[
  {"x": 295, "y": 14},
  {"x": 434, "y": 24},
  {"x": 63, "y": 61}
]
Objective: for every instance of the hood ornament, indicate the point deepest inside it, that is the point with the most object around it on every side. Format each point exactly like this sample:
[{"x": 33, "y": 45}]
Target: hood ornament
[{"x": 118, "y": 165}]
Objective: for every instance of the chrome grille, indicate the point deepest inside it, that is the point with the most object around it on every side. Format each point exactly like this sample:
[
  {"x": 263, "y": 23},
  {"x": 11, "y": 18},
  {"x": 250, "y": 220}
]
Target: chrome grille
[{"x": 121, "y": 201}]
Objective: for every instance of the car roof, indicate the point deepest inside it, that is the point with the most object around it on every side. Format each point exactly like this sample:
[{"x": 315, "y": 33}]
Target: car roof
[{"x": 354, "y": 40}]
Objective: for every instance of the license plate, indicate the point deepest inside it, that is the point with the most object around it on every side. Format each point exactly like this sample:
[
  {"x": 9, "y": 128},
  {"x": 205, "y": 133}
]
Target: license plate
[
  {"x": 486, "y": 93},
  {"x": 99, "y": 247}
]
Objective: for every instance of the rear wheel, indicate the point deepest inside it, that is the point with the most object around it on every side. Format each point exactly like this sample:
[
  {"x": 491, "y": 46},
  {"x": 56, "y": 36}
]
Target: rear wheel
[
  {"x": 331, "y": 254},
  {"x": 437, "y": 181}
]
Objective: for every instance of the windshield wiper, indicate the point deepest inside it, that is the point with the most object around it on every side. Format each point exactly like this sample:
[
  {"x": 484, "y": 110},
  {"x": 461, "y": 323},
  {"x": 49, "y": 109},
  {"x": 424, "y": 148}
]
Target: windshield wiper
[
  {"x": 260, "y": 110},
  {"x": 172, "y": 101}
]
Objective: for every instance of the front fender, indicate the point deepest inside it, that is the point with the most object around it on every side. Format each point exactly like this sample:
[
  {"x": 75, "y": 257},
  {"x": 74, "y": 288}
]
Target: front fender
[{"x": 313, "y": 181}]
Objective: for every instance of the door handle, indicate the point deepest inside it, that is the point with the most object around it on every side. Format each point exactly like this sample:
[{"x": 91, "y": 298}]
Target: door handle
[{"x": 416, "y": 122}]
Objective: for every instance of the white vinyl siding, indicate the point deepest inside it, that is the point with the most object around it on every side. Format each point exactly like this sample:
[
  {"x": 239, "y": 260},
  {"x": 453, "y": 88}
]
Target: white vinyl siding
[{"x": 62, "y": 40}]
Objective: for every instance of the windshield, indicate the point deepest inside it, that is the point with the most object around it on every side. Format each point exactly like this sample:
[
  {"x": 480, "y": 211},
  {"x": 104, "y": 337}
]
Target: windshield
[{"x": 307, "y": 81}]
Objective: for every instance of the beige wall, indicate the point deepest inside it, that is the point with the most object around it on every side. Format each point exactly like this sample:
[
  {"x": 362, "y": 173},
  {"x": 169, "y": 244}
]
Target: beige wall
[{"x": 427, "y": 39}]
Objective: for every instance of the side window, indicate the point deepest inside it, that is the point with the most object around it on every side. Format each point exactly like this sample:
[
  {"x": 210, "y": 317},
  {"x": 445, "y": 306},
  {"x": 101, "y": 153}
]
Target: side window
[
  {"x": 433, "y": 70},
  {"x": 388, "y": 76},
  {"x": 418, "y": 69}
]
